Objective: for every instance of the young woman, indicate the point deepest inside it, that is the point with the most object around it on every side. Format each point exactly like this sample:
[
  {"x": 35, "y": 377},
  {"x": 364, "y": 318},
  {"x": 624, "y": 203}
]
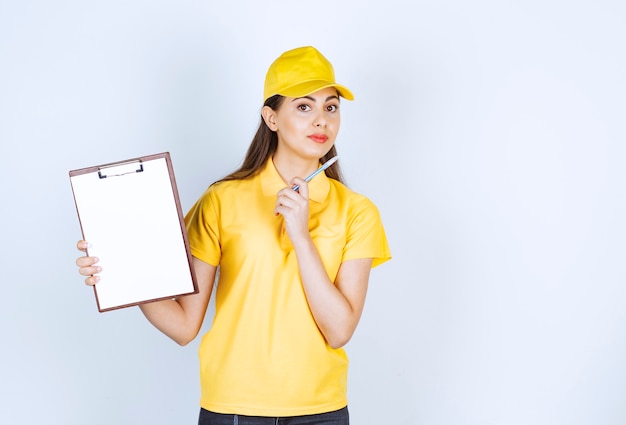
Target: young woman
[{"x": 294, "y": 264}]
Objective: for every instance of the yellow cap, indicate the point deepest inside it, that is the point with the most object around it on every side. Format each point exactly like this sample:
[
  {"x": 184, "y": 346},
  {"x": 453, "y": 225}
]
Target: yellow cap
[{"x": 300, "y": 72}]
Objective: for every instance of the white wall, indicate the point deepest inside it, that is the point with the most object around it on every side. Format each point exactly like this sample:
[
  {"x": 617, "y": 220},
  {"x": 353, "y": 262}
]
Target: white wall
[{"x": 490, "y": 134}]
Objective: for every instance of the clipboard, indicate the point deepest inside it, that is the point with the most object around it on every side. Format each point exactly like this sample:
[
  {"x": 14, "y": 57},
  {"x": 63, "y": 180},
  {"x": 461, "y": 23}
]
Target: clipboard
[{"x": 129, "y": 212}]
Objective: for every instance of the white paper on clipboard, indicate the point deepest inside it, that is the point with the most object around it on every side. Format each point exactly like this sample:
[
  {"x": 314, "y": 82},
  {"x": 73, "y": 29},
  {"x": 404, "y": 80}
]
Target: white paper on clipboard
[{"x": 129, "y": 212}]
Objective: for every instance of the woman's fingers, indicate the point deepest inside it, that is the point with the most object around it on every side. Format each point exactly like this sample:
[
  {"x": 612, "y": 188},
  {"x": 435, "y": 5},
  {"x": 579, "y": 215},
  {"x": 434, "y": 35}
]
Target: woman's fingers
[
  {"x": 92, "y": 280},
  {"x": 82, "y": 245},
  {"x": 285, "y": 198},
  {"x": 86, "y": 261},
  {"x": 303, "y": 190},
  {"x": 294, "y": 207},
  {"x": 88, "y": 271},
  {"x": 87, "y": 265}
]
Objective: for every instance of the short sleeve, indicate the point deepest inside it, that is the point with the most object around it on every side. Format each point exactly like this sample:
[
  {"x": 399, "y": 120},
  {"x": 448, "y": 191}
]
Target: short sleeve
[
  {"x": 202, "y": 223},
  {"x": 365, "y": 234}
]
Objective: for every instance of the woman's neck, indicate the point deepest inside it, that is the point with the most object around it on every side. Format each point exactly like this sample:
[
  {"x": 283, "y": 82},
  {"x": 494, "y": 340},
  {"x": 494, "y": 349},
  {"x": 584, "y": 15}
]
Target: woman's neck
[{"x": 292, "y": 166}]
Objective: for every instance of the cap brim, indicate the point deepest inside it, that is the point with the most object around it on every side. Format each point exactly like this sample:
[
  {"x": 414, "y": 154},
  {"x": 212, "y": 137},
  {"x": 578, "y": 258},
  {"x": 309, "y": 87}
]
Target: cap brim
[{"x": 308, "y": 87}]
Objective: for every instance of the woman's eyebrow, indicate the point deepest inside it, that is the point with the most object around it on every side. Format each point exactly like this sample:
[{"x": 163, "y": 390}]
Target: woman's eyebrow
[
  {"x": 313, "y": 99},
  {"x": 295, "y": 99}
]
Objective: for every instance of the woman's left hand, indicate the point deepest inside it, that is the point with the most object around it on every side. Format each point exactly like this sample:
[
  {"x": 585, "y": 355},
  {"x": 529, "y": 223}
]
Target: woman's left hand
[{"x": 294, "y": 207}]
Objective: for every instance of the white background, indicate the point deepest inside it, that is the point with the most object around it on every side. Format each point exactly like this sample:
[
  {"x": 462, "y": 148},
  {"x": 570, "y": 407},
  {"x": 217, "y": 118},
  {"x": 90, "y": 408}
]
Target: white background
[{"x": 491, "y": 135}]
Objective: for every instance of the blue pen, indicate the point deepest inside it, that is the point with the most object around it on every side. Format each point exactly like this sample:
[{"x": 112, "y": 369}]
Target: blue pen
[{"x": 319, "y": 170}]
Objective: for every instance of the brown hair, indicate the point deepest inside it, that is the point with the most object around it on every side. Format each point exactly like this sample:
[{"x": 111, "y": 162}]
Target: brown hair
[{"x": 264, "y": 145}]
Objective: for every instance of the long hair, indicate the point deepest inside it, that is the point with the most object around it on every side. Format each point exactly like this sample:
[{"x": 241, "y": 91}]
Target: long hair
[{"x": 264, "y": 145}]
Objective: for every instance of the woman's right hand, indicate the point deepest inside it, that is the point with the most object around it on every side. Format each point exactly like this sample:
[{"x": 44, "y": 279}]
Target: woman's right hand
[{"x": 87, "y": 265}]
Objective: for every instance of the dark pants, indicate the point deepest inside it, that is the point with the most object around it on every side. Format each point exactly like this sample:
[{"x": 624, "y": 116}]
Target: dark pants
[{"x": 339, "y": 417}]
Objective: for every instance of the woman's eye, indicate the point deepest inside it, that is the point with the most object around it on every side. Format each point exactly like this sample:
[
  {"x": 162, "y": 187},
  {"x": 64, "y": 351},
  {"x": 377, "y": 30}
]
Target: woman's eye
[
  {"x": 332, "y": 108},
  {"x": 303, "y": 107}
]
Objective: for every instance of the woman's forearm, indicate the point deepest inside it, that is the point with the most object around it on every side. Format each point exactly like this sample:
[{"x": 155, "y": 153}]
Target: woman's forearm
[
  {"x": 181, "y": 318},
  {"x": 336, "y": 313},
  {"x": 169, "y": 317}
]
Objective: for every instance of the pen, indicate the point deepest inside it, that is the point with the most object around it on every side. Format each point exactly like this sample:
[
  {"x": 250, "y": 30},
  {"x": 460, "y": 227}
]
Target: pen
[{"x": 319, "y": 170}]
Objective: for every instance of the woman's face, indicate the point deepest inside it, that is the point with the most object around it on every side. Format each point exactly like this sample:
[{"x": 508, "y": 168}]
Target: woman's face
[{"x": 307, "y": 126}]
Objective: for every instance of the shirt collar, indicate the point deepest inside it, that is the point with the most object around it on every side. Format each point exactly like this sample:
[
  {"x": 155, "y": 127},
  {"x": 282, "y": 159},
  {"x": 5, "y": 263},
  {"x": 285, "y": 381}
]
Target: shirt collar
[{"x": 271, "y": 183}]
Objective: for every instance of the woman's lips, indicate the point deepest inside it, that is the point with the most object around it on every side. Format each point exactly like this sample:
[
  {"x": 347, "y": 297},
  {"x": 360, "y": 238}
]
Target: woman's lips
[{"x": 318, "y": 138}]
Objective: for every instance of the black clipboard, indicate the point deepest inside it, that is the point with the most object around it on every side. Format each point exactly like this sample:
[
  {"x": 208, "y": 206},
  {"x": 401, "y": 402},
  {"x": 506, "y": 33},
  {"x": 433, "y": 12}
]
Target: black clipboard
[{"x": 130, "y": 213}]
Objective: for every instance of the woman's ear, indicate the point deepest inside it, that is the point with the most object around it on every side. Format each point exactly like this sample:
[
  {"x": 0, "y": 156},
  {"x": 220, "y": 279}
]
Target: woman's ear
[{"x": 269, "y": 116}]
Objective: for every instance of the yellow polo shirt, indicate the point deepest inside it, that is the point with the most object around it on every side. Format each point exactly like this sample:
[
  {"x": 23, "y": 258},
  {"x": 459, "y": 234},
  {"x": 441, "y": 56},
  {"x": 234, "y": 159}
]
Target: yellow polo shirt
[{"x": 264, "y": 355}]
